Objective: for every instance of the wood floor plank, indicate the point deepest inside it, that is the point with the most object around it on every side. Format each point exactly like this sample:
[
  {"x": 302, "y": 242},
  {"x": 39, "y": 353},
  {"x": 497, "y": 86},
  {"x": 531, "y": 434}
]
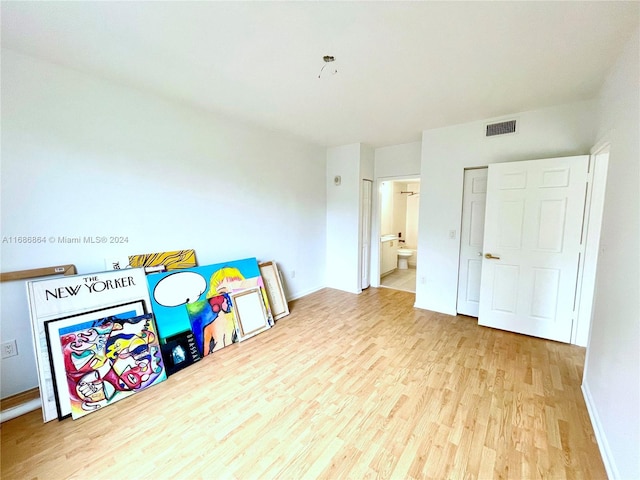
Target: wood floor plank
[{"x": 347, "y": 386}]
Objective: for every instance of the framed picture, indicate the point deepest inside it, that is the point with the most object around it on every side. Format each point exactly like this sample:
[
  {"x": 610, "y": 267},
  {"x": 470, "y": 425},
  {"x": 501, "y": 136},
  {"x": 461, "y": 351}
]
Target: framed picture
[
  {"x": 275, "y": 292},
  {"x": 60, "y": 326},
  {"x": 250, "y": 313},
  {"x": 68, "y": 296},
  {"x": 108, "y": 359},
  {"x": 179, "y": 352}
]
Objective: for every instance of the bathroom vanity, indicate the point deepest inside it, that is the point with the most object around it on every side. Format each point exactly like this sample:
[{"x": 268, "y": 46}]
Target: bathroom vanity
[{"x": 388, "y": 254}]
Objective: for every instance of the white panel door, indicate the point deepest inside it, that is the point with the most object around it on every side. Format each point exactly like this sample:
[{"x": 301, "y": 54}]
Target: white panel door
[
  {"x": 532, "y": 246},
  {"x": 365, "y": 258},
  {"x": 471, "y": 238}
]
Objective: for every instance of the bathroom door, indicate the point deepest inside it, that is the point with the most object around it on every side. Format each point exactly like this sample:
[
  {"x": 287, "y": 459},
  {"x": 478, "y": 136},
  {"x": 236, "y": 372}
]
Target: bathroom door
[{"x": 365, "y": 234}]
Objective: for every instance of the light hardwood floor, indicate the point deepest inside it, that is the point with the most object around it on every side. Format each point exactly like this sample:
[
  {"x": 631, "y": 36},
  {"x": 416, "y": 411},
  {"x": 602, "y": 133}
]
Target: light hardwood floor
[{"x": 347, "y": 386}]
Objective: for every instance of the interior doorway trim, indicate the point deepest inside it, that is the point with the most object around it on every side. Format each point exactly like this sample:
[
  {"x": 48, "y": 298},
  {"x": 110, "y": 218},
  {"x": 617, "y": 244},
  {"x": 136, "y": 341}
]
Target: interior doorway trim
[
  {"x": 598, "y": 166},
  {"x": 375, "y": 223}
]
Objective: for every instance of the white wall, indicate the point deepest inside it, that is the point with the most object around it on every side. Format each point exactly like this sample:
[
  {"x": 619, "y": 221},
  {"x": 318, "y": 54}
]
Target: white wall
[
  {"x": 399, "y": 209},
  {"x": 612, "y": 371},
  {"x": 343, "y": 216},
  {"x": 413, "y": 211},
  {"x": 385, "y": 192},
  {"x": 398, "y": 160},
  {"x": 551, "y": 132},
  {"x": 82, "y": 156}
]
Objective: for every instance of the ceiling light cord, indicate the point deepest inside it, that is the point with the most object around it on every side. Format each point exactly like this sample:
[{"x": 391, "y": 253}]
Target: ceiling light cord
[{"x": 321, "y": 70}]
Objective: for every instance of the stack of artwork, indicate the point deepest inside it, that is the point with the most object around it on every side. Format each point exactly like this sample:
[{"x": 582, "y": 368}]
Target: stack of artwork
[
  {"x": 102, "y": 337},
  {"x": 220, "y": 304},
  {"x": 95, "y": 340}
]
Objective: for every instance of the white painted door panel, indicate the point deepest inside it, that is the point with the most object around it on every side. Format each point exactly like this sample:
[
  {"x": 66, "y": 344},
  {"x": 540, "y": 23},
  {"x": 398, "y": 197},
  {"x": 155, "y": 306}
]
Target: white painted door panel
[
  {"x": 533, "y": 224},
  {"x": 471, "y": 239},
  {"x": 365, "y": 259}
]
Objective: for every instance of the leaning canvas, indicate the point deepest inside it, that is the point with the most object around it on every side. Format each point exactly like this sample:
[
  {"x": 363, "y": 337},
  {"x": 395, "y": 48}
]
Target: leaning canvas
[
  {"x": 275, "y": 291},
  {"x": 65, "y": 297},
  {"x": 155, "y": 262},
  {"x": 55, "y": 328},
  {"x": 198, "y": 299},
  {"x": 108, "y": 360}
]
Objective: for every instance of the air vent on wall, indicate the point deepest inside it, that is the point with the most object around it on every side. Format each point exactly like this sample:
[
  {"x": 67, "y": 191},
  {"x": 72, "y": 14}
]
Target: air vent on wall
[{"x": 501, "y": 128}]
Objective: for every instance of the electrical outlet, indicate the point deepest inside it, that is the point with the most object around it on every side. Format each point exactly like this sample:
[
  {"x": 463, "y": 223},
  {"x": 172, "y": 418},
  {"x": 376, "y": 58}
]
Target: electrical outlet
[
  {"x": 9, "y": 349},
  {"x": 453, "y": 234},
  {"x": 293, "y": 274}
]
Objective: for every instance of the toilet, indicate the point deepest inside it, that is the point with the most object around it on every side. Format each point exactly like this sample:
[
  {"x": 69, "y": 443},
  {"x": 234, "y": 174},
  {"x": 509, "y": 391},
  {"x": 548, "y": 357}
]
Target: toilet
[{"x": 404, "y": 254}]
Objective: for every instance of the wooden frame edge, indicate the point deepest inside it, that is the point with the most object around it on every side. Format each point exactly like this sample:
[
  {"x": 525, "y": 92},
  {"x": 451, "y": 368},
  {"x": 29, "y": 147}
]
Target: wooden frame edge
[
  {"x": 65, "y": 270},
  {"x": 242, "y": 334},
  {"x": 279, "y": 289}
]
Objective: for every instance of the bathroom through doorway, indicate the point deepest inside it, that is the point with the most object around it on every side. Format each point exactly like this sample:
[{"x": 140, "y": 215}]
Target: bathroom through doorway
[{"x": 398, "y": 243}]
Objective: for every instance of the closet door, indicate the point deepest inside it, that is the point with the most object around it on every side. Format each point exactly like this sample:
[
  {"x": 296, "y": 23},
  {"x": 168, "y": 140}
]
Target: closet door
[
  {"x": 365, "y": 234},
  {"x": 471, "y": 238}
]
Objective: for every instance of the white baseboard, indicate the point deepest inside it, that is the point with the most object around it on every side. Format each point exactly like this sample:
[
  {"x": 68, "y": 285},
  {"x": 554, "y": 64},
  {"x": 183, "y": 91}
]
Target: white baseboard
[
  {"x": 305, "y": 293},
  {"x": 21, "y": 409},
  {"x": 601, "y": 439}
]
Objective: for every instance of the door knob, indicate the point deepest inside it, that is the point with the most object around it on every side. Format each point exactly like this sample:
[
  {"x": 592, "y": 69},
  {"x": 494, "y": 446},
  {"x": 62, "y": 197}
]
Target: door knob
[{"x": 490, "y": 257}]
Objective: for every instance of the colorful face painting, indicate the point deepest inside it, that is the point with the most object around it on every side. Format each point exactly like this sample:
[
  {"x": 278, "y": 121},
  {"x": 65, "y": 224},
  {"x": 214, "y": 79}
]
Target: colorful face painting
[
  {"x": 198, "y": 299},
  {"x": 110, "y": 360},
  {"x": 212, "y": 323}
]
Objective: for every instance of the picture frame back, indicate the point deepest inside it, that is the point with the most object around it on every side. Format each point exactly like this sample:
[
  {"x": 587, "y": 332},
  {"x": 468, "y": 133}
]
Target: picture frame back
[{"x": 275, "y": 291}]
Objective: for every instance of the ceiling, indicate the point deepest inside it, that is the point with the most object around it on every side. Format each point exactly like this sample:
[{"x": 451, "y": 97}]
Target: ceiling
[{"x": 403, "y": 67}]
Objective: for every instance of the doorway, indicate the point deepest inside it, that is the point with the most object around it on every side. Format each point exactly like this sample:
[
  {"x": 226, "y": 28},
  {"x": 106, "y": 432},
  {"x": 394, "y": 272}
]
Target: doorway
[{"x": 398, "y": 243}]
